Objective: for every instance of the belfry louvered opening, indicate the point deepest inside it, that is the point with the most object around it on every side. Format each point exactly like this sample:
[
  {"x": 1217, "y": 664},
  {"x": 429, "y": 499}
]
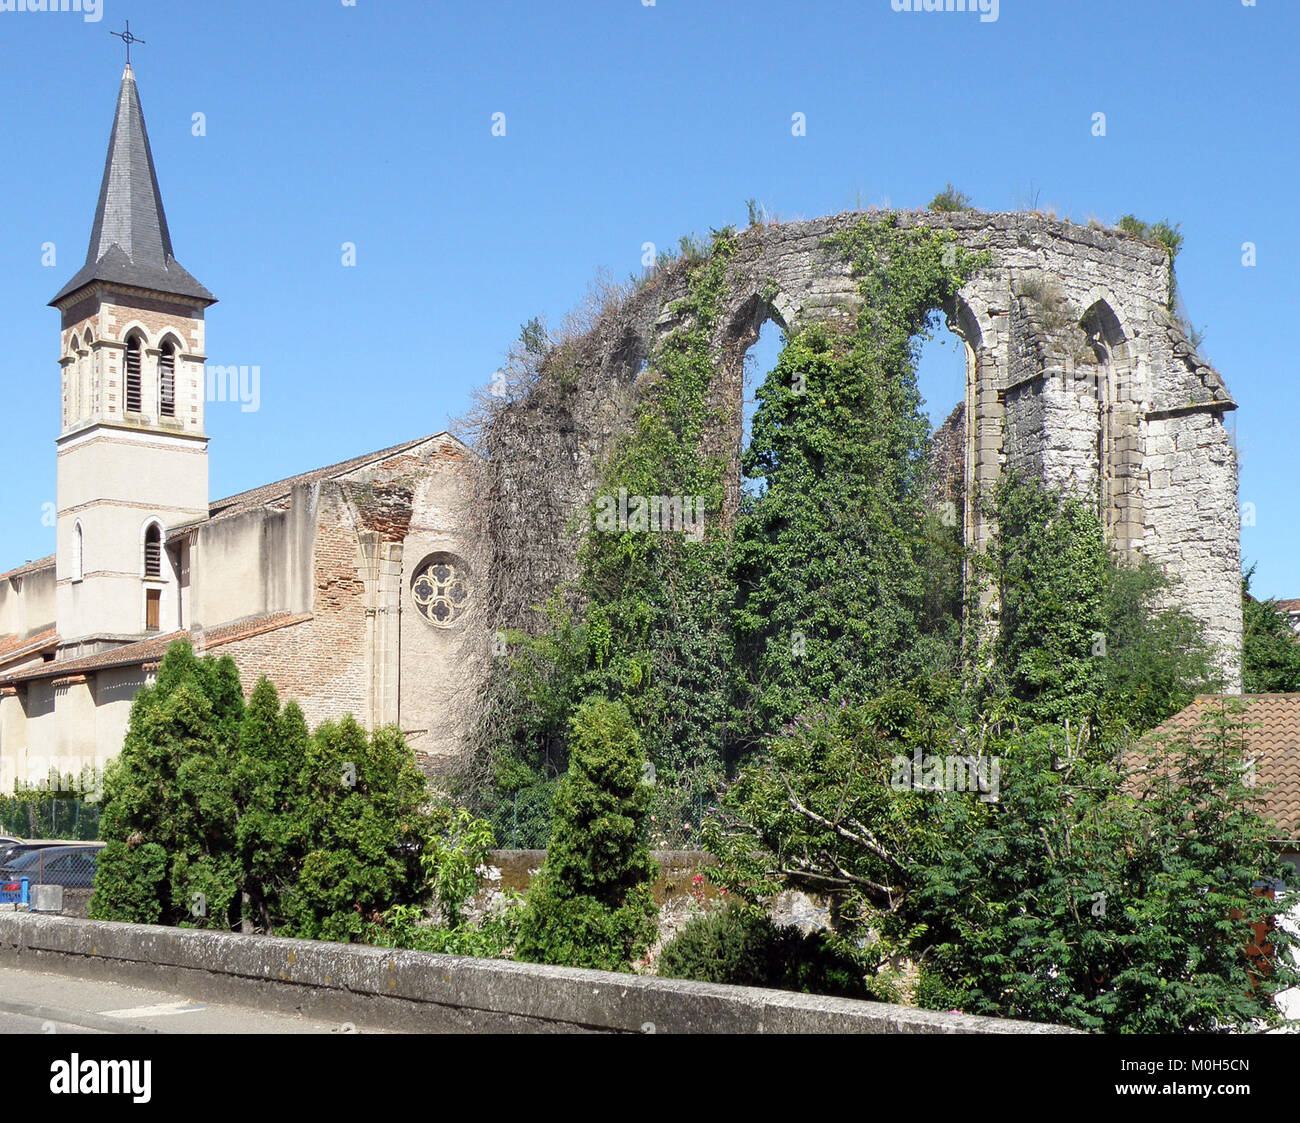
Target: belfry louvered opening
[
  {"x": 167, "y": 380},
  {"x": 134, "y": 394},
  {"x": 153, "y": 551}
]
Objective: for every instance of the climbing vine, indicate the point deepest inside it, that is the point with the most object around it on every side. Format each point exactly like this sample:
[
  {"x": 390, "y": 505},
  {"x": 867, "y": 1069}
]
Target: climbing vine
[
  {"x": 651, "y": 627},
  {"x": 829, "y": 583},
  {"x": 837, "y": 560}
]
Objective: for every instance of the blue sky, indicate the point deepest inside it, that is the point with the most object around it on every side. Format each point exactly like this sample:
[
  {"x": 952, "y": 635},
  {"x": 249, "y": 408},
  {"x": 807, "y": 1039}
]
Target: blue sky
[{"x": 625, "y": 123}]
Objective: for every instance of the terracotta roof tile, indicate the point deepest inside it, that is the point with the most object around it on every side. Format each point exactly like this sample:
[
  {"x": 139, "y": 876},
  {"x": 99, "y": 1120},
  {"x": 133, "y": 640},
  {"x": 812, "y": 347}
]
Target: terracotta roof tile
[
  {"x": 153, "y": 649},
  {"x": 29, "y": 567},
  {"x": 12, "y": 646},
  {"x": 1272, "y": 739}
]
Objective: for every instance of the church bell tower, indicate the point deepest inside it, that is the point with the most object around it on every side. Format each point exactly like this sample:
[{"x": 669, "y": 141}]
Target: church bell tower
[{"x": 132, "y": 453}]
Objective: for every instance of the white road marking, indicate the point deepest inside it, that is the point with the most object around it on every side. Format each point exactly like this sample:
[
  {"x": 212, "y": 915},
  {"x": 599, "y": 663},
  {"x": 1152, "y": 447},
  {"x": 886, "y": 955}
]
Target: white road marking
[{"x": 158, "y": 1010}]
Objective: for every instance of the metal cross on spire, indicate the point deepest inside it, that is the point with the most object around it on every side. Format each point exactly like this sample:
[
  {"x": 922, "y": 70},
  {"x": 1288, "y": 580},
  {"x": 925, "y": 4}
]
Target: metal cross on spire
[{"x": 128, "y": 39}]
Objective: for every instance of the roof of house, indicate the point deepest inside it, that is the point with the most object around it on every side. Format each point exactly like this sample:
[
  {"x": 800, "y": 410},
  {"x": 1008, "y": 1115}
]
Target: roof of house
[
  {"x": 28, "y": 567},
  {"x": 153, "y": 649},
  {"x": 13, "y": 646},
  {"x": 1290, "y": 607},
  {"x": 130, "y": 243},
  {"x": 1272, "y": 736}
]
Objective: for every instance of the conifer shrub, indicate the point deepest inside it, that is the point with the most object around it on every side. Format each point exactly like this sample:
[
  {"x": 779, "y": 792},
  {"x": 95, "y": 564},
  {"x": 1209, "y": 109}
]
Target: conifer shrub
[
  {"x": 361, "y": 809},
  {"x": 168, "y": 814},
  {"x": 216, "y": 813},
  {"x": 590, "y": 904}
]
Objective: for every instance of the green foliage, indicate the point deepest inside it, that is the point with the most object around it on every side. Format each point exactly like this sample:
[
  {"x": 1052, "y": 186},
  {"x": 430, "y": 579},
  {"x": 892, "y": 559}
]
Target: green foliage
[
  {"x": 457, "y": 850},
  {"x": 63, "y": 806},
  {"x": 743, "y": 947},
  {"x": 816, "y": 812},
  {"x": 1156, "y": 657},
  {"x": 273, "y": 745},
  {"x": 1084, "y": 636},
  {"x": 691, "y": 248},
  {"x": 653, "y": 629},
  {"x": 362, "y": 817},
  {"x": 533, "y": 337},
  {"x": 835, "y": 561},
  {"x": 1271, "y": 648},
  {"x": 1108, "y": 899},
  {"x": 590, "y": 904},
  {"x": 1051, "y": 563},
  {"x": 407, "y": 927},
  {"x": 1163, "y": 234},
  {"x": 1168, "y": 236},
  {"x": 1084, "y": 893},
  {"x": 458, "y": 847},
  {"x": 711, "y": 642},
  {"x": 950, "y": 199},
  {"x": 214, "y": 810},
  {"x": 168, "y": 809}
]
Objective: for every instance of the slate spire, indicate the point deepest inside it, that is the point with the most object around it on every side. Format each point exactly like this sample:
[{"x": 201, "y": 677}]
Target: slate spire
[{"x": 130, "y": 242}]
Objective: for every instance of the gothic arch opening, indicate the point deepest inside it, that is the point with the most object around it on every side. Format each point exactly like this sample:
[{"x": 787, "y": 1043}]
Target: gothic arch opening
[
  {"x": 757, "y": 336},
  {"x": 1117, "y": 397},
  {"x": 72, "y": 378},
  {"x": 151, "y": 558},
  {"x": 759, "y": 362}
]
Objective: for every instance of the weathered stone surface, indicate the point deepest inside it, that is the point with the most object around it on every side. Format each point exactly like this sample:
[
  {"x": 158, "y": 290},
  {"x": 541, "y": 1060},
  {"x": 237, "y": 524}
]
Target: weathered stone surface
[
  {"x": 417, "y": 991},
  {"x": 1078, "y": 375}
]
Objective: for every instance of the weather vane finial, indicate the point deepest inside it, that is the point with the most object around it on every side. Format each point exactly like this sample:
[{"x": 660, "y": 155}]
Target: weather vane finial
[{"x": 128, "y": 39}]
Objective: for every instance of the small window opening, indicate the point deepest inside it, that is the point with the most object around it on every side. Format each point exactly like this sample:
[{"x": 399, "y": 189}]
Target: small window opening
[
  {"x": 167, "y": 380},
  {"x": 133, "y": 383},
  {"x": 153, "y": 551}
]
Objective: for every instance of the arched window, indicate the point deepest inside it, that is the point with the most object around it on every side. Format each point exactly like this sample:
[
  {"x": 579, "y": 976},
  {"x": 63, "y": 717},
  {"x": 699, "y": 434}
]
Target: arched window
[
  {"x": 72, "y": 381},
  {"x": 78, "y": 552},
  {"x": 89, "y": 389},
  {"x": 167, "y": 380},
  {"x": 1118, "y": 393},
  {"x": 134, "y": 394},
  {"x": 153, "y": 551}
]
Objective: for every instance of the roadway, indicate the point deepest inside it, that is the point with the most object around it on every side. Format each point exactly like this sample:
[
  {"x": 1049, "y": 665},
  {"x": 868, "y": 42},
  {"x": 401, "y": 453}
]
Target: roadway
[{"x": 41, "y": 1002}]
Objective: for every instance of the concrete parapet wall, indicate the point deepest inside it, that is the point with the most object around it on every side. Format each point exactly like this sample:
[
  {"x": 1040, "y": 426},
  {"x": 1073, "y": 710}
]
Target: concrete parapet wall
[{"x": 419, "y": 992}]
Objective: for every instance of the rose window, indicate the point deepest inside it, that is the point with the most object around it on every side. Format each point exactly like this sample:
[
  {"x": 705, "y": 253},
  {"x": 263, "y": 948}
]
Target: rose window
[{"x": 440, "y": 591}]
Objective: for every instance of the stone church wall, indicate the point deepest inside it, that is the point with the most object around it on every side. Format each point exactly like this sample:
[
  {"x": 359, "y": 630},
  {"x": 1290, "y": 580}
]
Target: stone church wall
[
  {"x": 365, "y": 650},
  {"x": 441, "y": 667}
]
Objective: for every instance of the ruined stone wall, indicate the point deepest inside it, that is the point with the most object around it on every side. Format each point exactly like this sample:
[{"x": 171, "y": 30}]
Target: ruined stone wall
[{"x": 1079, "y": 376}]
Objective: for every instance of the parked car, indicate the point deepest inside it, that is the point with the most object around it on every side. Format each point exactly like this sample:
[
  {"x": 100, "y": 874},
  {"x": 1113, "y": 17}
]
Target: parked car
[
  {"x": 73, "y": 867},
  {"x": 12, "y": 848}
]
